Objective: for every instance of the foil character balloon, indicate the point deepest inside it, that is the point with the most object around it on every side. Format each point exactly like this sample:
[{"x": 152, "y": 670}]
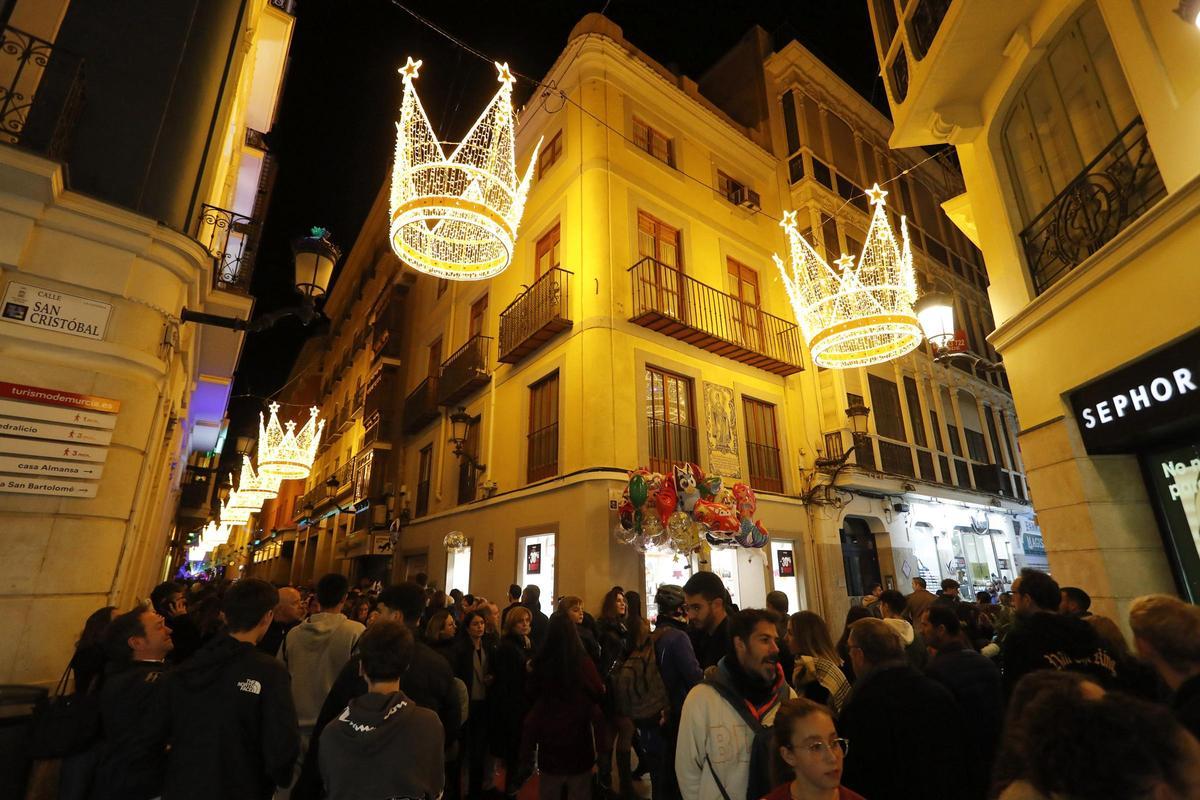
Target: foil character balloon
[
  {"x": 711, "y": 487},
  {"x": 666, "y": 500},
  {"x": 717, "y": 517},
  {"x": 686, "y": 487},
  {"x": 637, "y": 490},
  {"x": 744, "y": 500}
]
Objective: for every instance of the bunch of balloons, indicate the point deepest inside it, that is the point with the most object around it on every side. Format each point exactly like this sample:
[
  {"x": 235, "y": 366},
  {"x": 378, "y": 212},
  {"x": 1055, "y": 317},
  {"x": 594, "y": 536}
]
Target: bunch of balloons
[{"x": 685, "y": 511}]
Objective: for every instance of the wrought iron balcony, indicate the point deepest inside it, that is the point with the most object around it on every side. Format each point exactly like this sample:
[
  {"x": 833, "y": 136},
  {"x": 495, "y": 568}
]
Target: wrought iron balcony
[
  {"x": 421, "y": 407},
  {"x": 232, "y": 240},
  {"x": 676, "y": 305},
  {"x": 541, "y": 312},
  {"x": 41, "y": 93},
  {"x": 465, "y": 371},
  {"x": 1112, "y": 191}
]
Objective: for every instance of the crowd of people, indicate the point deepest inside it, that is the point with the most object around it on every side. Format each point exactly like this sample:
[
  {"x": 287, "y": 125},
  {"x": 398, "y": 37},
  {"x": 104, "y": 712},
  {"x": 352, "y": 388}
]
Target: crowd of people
[{"x": 247, "y": 690}]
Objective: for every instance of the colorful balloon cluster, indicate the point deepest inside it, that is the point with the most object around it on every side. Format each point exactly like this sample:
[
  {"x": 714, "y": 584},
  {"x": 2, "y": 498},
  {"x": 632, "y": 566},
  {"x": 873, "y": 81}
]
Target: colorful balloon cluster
[{"x": 686, "y": 510}]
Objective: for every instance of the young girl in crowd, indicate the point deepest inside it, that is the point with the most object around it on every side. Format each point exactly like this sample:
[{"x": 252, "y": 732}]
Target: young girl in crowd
[{"x": 808, "y": 754}]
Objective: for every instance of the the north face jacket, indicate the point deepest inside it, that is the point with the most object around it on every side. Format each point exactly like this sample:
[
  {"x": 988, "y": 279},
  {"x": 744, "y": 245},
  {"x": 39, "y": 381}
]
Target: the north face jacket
[
  {"x": 315, "y": 652},
  {"x": 230, "y": 724},
  {"x": 382, "y": 745}
]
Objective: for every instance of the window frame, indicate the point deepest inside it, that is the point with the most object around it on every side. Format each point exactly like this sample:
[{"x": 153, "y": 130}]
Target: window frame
[
  {"x": 664, "y": 462},
  {"x": 544, "y": 407},
  {"x": 763, "y": 419},
  {"x": 652, "y": 135},
  {"x": 551, "y": 154}
]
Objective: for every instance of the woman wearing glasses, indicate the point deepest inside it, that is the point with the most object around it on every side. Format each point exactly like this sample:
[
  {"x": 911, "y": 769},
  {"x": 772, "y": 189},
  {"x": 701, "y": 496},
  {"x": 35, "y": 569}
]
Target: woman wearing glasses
[{"x": 809, "y": 753}]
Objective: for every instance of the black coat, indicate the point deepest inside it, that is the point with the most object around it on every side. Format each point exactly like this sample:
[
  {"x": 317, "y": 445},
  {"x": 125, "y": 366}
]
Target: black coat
[
  {"x": 537, "y": 626},
  {"x": 230, "y": 724},
  {"x": 884, "y": 719},
  {"x": 185, "y": 636},
  {"x": 1045, "y": 640},
  {"x": 509, "y": 695},
  {"x": 429, "y": 682},
  {"x": 131, "y": 765},
  {"x": 975, "y": 683},
  {"x": 711, "y": 647},
  {"x": 273, "y": 639}
]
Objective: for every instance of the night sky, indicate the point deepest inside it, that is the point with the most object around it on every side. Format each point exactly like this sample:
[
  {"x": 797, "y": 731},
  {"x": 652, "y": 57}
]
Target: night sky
[{"x": 334, "y": 130}]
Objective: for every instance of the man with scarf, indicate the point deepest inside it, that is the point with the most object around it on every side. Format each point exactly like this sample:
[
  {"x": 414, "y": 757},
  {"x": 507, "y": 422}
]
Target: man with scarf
[{"x": 723, "y": 751}]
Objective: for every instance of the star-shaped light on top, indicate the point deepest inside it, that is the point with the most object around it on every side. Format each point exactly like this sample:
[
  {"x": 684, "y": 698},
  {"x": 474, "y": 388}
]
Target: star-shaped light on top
[
  {"x": 876, "y": 195},
  {"x": 411, "y": 69},
  {"x": 506, "y": 75},
  {"x": 789, "y": 220}
]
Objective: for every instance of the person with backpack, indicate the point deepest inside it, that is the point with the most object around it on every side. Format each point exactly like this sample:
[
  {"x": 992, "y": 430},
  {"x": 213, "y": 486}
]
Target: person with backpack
[
  {"x": 680, "y": 671},
  {"x": 613, "y": 634},
  {"x": 724, "y": 750},
  {"x": 639, "y": 697}
]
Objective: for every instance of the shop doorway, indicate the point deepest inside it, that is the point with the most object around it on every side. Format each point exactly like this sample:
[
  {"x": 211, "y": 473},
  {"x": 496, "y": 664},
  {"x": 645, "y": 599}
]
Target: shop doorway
[
  {"x": 458, "y": 570},
  {"x": 663, "y": 567},
  {"x": 415, "y": 564},
  {"x": 536, "y": 566},
  {"x": 785, "y": 572},
  {"x": 860, "y": 556}
]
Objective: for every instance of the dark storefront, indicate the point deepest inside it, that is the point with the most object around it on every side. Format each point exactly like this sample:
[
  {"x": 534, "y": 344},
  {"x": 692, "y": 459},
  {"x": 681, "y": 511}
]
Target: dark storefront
[{"x": 1151, "y": 408}]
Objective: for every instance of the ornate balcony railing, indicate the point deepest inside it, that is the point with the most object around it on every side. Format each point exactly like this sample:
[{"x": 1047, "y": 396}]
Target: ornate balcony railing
[
  {"x": 41, "y": 93},
  {"x": 464, "y": 371},
  {"x": 1110, "y": 193},
  {"x": 421, "y": 407},
  {"x": 536, "y": 316},
  {"x": 672, "y": 303},
  {"x": 671, "y": 444},
  {"x": 231, "y": 239}
]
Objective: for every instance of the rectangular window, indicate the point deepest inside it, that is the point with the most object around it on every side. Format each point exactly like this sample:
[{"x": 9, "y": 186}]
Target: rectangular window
[
  {"x": 547, "y": 257},
  {"x": 467, "y": 474},
  {"x": 796, "y": 168},
  {"x": 729, "y": 188},
  {"x": 937, "y": 432},
  {"x": 742, "y": 282},
  {"x": 660, "y": 288},
  {"x": 815, "y": 138},
  {"x": 671, "y": 420},
  {"x": 821, "y": 173},
  {"x": 543, "y": 429},
  {"x": 790, "y": 126},
  {"x": 654, "y": 142},
  {"x": 845, "y": 154},
  {"x": 434, "y": 366},
  {"x": 829, "y": 233},
  {"x": 915, "y": 417},
  {"x": 550, "y": 154},
  {"x": 885, "y": 408},
  {"x": 976, "y": 447},
  {"x": 994, "y": 434},
  {"x": 424, "y": 470},
  {"x": 762, "y": 446},
  {"x": 478, "y": 321}
]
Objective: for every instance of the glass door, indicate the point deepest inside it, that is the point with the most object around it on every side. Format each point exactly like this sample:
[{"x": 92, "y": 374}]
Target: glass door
[
  {"x": 458, "y": 570},
  {"x": 785, "y": 572}
]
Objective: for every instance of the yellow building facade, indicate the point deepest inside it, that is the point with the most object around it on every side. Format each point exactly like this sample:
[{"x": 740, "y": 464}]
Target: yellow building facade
[
  {"x": 642, "y": 322},
  {"x": 104, "y": 242},
  {"x": 1074, "y": 123}
]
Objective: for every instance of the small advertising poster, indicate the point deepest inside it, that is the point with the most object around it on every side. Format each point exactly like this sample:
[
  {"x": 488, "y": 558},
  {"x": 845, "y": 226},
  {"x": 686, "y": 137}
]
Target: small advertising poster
[
  {"x": 1174, "y": 478},
  {"x": 785, "y": 564},
  {"x": 533, "y": 559}
]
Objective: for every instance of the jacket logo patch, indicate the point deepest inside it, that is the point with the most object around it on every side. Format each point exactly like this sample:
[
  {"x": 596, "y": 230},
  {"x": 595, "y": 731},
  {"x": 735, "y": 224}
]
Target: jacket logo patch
[{"x": 250, "y": 686}]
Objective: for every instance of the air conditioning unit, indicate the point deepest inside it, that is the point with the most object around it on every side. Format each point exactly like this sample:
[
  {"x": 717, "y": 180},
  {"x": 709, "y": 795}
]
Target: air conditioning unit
[{"x": 745, "y": 197}]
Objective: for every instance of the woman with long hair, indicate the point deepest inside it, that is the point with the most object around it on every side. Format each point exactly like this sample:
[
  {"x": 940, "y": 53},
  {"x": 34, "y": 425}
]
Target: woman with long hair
[
  {"x": 615, "y": 643},
  {"x": 808, "y": 754},
  {"x": 473, "y": 667},
  {"x": 572, "y": 607},
  {"x": 440, "y": 634},
  {"x": 817, "y": 674},
  {"x": 567, "y": 690},
  {"x": 510, "y": 702}
]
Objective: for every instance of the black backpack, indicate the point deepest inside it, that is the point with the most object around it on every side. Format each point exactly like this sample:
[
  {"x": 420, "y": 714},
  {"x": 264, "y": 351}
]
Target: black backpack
[
  {"x": 761, "y": 747},
  {"x": 637, "y": 684}
]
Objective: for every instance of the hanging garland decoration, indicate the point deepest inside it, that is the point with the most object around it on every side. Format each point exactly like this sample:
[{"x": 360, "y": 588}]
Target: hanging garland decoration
[{"x": 685, "y": 512}]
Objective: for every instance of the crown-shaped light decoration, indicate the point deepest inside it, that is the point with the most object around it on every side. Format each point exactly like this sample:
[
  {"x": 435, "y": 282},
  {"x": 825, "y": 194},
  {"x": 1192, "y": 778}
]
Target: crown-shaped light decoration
[
  {"x": 254, "y": 489},
  {"x": 233, "y": 513},
  {"x": 861, "y": 314},
  {"x": 211, "y": 536},
  {"x": 456, "y": 217},
  {"x": 287, "y": 455}
]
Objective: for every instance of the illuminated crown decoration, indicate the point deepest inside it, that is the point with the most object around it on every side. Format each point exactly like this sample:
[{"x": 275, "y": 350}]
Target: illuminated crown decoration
[
  {"x": 456, "y": 217},
  {"x": 254, "y": 490},
  {"x": 210, "y": 537},
  {"x": 233, "y": 512},
  {"x": 862, "y": 314},
  {"x": 287, "y": 455}
]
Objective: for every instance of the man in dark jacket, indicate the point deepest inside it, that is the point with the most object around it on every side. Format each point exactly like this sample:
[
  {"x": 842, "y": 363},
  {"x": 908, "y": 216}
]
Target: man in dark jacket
[
  {"x": 708, "y": 617},
  {"x": 1041, "y": 638},
  {"x": 680, "y": 672},
  {"x": 169, "y": 601},
  {"x": 383, "y": 744},
  {"x": 514, "y": 600},
  {"x": 288, "y": 615},
  {"x": 975, "y": 683},
  {"x": 229, "y": 719},
  {"x": 428, "y": 682},
  {"x": 1166, "y": 632},
  {"x": 130, "y": 766},
  {"x": 886, "y": 758},
  {"x": 531, "y": 598}
]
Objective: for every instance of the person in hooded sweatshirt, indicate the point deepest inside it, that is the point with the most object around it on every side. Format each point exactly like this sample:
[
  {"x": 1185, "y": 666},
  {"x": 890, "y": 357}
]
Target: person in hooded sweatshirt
[
  {"x": 383, "y": 744},
  {"x": 228, "y": 717},
  {"x": 891, "y": 609},
  {"x": 317, "y": 649}
]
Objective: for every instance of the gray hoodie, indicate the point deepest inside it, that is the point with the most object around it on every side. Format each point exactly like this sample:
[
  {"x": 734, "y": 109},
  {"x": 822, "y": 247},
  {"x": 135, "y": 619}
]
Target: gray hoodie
[
  {"x": 315, "y": 652},
  {"x": 914, "y": 645}
]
